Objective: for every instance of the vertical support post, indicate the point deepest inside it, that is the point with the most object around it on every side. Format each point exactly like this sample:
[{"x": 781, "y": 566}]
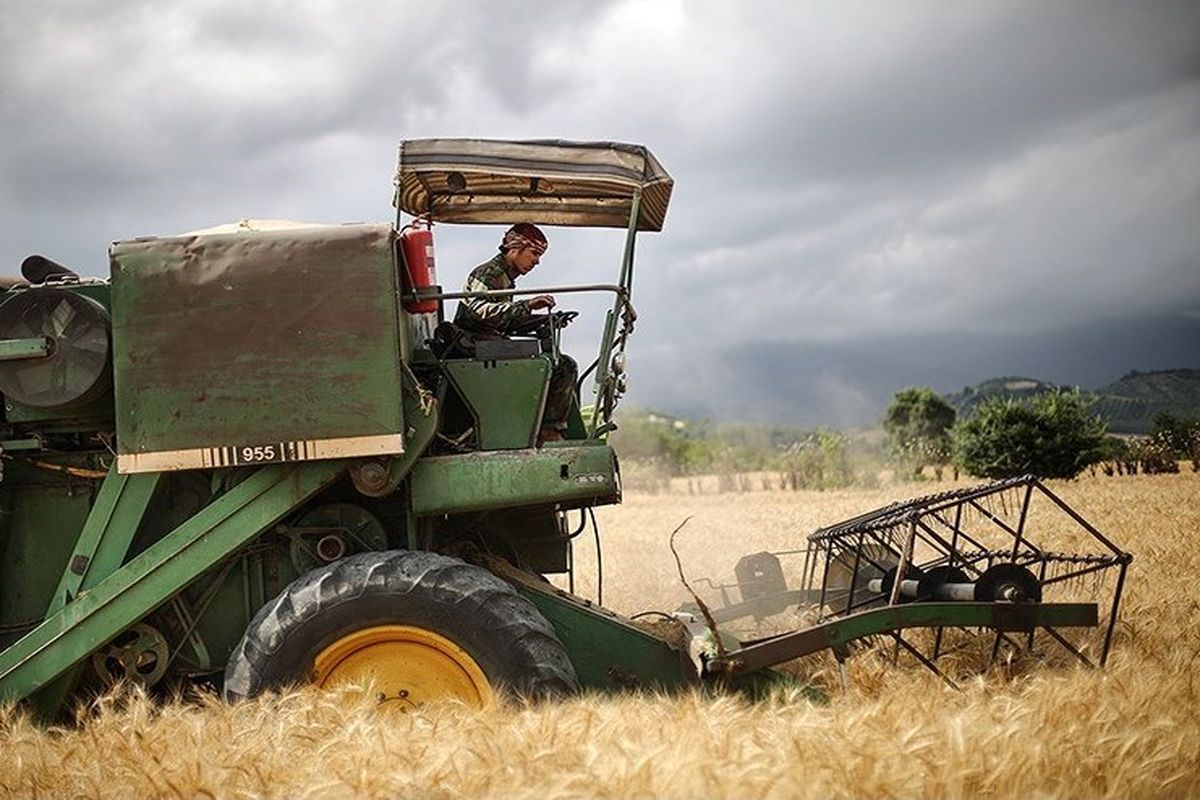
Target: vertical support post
[
  {"x": 412, "y": 526},
  {"x": 937, "y": 637},
  {"x": 1021, "y": 521},
  {"x": 901, "y": 568},
  {"x": 825, "y": 575},
  {"x": 635, "y": 206},
  {"x": 1112, "y": 613},
  {"x": 905, "y": 558},
  {"x": 610, "y": 320},
  {"x": 1041, "y": 581},
  {"x": 571, "y": 566},
  {"x": 854, "y": 573},
  {"x": 954, "y": 534}
]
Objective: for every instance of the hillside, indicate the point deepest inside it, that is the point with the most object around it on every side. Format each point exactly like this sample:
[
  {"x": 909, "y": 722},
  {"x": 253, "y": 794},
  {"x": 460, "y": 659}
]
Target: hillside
[
  {"x": 1131, "y": 403},
  {"x": 966, "y": 401},
  {"x": 1128, "y": 404}
]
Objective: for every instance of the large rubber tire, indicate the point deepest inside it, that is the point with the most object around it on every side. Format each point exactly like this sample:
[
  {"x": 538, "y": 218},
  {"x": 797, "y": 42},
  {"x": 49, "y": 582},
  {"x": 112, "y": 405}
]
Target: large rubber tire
[{"x": 510, "y": 641}]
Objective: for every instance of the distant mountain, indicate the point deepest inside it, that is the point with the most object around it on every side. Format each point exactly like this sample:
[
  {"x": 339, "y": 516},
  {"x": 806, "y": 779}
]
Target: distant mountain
[
  {"x": 1131, "y": 403},
  {"x": 966, "y": 401}
]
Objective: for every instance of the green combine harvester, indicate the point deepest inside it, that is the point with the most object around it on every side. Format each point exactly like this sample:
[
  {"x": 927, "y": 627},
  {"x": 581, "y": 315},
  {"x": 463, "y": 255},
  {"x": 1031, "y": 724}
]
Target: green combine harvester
[{"x": 253, "y": 458}]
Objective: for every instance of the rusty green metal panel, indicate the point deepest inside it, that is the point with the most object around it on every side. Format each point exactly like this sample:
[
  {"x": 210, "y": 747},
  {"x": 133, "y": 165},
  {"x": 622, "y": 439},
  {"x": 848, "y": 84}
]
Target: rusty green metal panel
[
  {"x": 608, "y": 651},
  {"x": 505, "y": 397},
  {"x": 501, "y": 478},
  {"x": 256, "y": 347},
  {"x": 136, "y": 588},
  {"x": 40, "y": 519}
]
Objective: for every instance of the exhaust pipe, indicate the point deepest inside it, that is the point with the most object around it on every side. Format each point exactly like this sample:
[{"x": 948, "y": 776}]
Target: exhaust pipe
[{"x": 39, "y": 269}]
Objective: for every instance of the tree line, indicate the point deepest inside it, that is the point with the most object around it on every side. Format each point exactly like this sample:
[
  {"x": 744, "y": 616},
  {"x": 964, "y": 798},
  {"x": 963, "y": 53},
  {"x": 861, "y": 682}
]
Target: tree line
[{"x": 1056, "y": 434}]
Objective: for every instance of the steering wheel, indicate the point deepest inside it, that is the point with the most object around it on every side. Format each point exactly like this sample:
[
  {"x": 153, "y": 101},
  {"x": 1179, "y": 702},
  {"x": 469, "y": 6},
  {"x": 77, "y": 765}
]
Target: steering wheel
[{"x": 542, "y": 324}]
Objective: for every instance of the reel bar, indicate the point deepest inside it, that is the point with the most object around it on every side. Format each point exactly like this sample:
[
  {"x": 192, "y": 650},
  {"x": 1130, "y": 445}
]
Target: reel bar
[
  {"x": 1020, "y": 532},
  {"x": 1073, "y": 514},
  {"x": 948, "y": 547},
  {"x": 895, "y": 515}
]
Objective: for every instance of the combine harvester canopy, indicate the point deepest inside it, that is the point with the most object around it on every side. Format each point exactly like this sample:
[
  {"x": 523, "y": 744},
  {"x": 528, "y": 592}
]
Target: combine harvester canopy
[{"x": 551, "y": 182}]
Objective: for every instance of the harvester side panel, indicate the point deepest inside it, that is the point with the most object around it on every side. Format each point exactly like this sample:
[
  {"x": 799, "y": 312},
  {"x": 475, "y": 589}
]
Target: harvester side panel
[
  {"x": 38, "y": 523},
  {"x": 129, "y": 593},
  {"x": 239, "y": 348},
  {"x": 608, "y": 651}
]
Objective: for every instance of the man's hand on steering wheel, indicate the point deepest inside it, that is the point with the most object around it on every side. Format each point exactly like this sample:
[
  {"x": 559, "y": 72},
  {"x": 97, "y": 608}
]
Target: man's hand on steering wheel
[
  {"x": 540, "y": 324},
  {"x": 541, "y": 301}
]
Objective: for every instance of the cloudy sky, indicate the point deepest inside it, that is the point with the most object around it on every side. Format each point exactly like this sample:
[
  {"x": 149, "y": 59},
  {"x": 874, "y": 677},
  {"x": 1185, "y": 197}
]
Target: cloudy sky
[{"x": 866, "y": 193}]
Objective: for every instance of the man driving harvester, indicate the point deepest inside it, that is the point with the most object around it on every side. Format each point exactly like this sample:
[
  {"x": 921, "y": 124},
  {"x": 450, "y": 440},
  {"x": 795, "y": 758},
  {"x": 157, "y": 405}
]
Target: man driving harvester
[{"x": 520, "y": 251}]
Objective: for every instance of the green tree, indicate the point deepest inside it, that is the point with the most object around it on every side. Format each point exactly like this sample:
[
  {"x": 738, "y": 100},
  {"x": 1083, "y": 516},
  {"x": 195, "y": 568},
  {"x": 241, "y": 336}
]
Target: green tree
[
  {"x": 1052, "y": 435},
  {"x": 918, "y": 423}
]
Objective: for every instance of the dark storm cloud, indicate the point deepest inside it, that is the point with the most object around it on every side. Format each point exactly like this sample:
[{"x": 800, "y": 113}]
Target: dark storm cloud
[
  {"x": 938, "y": 142},
  {"x": 968, "y": 82},
  {"x": 134, "y": 118},
  {"x": 844, "y": 170}
]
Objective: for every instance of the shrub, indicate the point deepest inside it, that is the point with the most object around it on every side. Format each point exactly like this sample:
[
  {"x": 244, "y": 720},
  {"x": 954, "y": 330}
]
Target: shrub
[
  {"x": 1178, "y": 437},
  {"x": 1052, "y": 435},
  {"x": 819, "y": 461},
  {"x": 1153, "y": 455},
  {"x": 918, "y": 424}
]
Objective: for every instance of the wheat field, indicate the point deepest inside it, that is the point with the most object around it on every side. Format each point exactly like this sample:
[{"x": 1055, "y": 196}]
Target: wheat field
[{"x": 1040, "y": 730}]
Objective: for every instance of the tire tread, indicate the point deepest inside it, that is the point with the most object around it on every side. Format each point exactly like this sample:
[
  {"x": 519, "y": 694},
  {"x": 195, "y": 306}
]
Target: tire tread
[{"x": 511, "y": 623}]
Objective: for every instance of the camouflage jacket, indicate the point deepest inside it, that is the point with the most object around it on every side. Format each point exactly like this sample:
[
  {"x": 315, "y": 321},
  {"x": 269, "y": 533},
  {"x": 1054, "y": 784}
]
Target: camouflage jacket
[{"x": 494, "y": 314}]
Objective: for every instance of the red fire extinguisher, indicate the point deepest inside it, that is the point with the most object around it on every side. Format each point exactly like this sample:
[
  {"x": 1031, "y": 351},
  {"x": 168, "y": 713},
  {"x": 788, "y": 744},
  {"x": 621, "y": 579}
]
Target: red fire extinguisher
[{"x": 416, "y": 242}]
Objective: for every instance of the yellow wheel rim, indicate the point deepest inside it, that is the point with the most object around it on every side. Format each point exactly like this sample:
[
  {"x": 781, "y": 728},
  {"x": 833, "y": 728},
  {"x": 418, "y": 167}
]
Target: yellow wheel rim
[{"x": 404, "y": 666}]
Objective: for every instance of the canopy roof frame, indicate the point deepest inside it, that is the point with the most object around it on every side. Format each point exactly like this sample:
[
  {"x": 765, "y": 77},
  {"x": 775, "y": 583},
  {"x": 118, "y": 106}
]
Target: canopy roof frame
[{"x": 548, "y": 182}]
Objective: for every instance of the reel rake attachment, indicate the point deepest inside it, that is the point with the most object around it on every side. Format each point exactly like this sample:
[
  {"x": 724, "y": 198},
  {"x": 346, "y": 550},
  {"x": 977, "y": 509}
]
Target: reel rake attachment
[{"x": 1010, "y": 557}]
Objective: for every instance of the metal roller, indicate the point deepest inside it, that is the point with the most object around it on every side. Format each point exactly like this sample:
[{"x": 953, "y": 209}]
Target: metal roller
[{"x": 1002, "y": 583}]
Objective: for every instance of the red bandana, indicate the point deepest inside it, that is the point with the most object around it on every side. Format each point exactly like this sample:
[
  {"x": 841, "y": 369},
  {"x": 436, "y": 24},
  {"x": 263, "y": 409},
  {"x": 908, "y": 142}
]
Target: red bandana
[{"x": 515, "y": 241}]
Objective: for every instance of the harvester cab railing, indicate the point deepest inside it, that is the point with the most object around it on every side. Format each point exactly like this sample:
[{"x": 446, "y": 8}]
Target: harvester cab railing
[{"x": 546, "y": 182}]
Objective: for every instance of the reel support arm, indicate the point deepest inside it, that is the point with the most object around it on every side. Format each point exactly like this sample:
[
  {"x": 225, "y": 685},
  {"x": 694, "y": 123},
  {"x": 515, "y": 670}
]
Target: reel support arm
[{"x": 1021, "y": 617}]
